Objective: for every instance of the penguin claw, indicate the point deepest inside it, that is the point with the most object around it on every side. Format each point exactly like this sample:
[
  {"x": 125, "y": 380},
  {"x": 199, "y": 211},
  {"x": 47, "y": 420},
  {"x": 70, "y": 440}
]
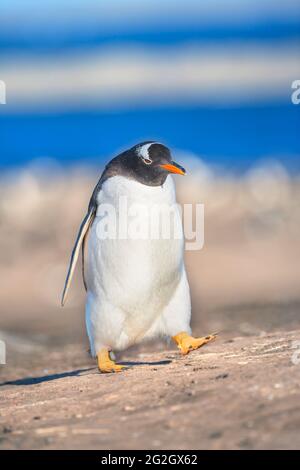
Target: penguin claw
[
  {"x": 187, "y": 343},
  {"x": 106, "y": 365},
  {"x": 111, "y": 368}
]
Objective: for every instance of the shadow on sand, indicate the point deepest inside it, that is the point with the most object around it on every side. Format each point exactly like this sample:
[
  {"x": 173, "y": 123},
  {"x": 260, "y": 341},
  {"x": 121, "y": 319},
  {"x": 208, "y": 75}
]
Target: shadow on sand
[
  {"x": 74, "y": 373},
  {"x": 45, "y": 378},
  {"x": 139, "y": 363}
]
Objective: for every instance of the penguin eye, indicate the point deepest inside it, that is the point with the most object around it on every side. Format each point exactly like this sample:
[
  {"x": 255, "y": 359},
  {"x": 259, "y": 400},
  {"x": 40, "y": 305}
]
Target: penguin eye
[{"x": 147, "y": 161}]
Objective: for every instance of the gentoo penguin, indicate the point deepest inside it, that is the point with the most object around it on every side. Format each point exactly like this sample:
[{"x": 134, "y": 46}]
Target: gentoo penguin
[{"x": 137, "y": 286}]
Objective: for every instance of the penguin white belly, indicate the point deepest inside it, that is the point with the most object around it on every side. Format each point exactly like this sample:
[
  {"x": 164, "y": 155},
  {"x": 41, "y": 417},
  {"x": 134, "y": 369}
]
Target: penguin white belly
[{"x": 132, "y": 282}]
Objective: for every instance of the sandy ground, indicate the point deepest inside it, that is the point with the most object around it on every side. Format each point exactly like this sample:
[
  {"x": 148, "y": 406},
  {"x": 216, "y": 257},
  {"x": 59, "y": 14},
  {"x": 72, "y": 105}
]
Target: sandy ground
[{"x": 236, "y": 393}]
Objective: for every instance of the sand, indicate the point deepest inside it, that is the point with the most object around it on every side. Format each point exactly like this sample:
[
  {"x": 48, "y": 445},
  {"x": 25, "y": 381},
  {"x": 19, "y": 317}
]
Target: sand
[{"x": 235, "y": 393}]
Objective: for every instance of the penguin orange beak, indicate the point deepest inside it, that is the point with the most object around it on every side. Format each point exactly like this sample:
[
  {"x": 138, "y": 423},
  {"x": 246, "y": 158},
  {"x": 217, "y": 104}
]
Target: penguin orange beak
[{"x": 173, "y": 168}]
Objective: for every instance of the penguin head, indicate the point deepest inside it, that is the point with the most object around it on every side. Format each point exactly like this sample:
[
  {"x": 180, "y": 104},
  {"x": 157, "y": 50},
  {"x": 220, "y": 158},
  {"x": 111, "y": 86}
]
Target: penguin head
[{"x": 150, "y": 163}]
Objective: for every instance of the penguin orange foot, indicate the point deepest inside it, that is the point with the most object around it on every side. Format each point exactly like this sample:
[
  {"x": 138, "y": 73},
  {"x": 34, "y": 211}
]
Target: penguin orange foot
[
  {"x": 187, "y": 343},
  {"x": 106, "y": 364}
]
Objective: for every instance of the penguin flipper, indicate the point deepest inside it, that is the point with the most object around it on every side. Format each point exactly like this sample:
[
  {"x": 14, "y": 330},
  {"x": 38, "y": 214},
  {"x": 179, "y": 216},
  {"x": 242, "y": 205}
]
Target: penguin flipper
[
  {"x": 82, "y": 258},
  {"x": 84, "y": 227}
]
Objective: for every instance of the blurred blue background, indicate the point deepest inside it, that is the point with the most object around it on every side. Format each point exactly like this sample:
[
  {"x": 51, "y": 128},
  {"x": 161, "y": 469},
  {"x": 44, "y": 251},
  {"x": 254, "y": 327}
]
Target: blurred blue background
[{"x": 86, "y": 79}]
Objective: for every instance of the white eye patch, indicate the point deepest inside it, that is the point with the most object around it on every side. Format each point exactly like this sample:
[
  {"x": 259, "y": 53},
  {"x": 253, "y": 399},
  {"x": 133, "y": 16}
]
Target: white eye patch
[{"x": 143, "y": 153}]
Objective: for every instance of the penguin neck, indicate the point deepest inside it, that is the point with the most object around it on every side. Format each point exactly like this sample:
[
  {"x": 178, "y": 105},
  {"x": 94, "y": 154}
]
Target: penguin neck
[
  {"x": 117, "y": 186},
  {"x": 146, "y": 178}
]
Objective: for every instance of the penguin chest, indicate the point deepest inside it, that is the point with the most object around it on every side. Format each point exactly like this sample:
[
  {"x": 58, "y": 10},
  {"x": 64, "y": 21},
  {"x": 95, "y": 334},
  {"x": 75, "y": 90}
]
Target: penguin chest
[{"x": 136, "y": 266}]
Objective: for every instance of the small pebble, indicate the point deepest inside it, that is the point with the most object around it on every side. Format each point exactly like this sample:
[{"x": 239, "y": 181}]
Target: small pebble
[
  {"x": 215, "y": 435},
  {"x": 222, "y": 376},
  {"x": 129, "y": 408},
  {"x": 6, "y": 430}
]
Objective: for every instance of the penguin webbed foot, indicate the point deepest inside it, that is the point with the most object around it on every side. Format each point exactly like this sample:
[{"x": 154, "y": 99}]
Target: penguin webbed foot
[
  {"x": 105, "y": 364},
  {"x": 187, "y": 343}
]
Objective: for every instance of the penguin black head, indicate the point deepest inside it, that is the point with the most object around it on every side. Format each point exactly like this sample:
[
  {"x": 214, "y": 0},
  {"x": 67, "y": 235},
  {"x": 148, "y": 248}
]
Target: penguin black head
[{"x": 148, "y": 163}]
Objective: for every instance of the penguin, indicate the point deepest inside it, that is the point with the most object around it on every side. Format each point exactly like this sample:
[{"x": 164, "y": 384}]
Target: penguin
[{"x": 137, "y": 288}]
